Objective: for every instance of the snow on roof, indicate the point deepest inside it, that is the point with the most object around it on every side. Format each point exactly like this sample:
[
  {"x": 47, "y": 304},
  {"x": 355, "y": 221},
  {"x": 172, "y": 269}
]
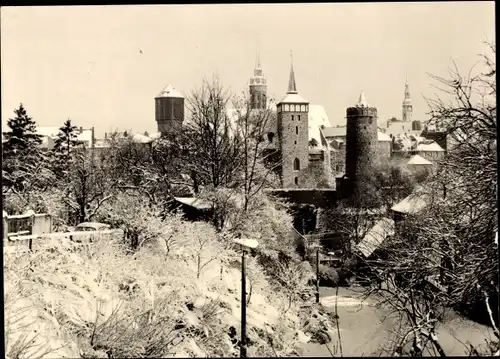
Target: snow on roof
[
  {"x": 362, "y": 100},
  {"x": 194, "y": 202},
  {"x": 339, "y": 131},
  {"x": 170, "y": 91},
  {"x": 82, "y": 134},
  {"x": 293, "y": 98},
  {"x": 140, "y": 138},
  {"x": 48, "y": 131},
  {"x": 431, "y": 147},
  {"x": 317, "y": 118},
  {"x": 382, "y": 137},
  {"x": 412, "y": 204},
  {"x": 418, "y": 160},
  {"x": 375, "y": 236}
]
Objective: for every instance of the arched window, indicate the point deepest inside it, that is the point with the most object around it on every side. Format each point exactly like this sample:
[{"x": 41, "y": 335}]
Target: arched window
[
  {"x": 303, "y": 108},
  {"x": 296, "y": 164},
  {"x": 296, "y": 130},
  {"x": 298, "y": 117},
  {"x": 286, "y": 108},
  {"x": 296, "y": 180},
  {"x": 292, "y": 117},
  {"x": 270, "y": 137}
]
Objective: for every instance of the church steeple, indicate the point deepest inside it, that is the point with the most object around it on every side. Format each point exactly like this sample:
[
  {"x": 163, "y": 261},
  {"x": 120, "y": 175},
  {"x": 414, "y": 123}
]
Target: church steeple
[
  {"x": 292, "y": 86},
  {"x": 407, "y": 103},
  {"x": 258, "y": 87}
]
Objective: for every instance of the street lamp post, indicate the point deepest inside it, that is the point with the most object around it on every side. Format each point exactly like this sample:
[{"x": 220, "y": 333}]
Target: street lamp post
[
  {"x": 317, "y": 246},
  {"x": 245, "y": 244}
]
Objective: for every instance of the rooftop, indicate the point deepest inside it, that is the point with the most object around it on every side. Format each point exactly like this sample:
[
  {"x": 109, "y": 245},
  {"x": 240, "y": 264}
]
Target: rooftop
[
  {"x": 375, "y": 236},
  {"x": 362, "y": 100},
  {"x": 431, "y": 147},
  {"x": 418, "y": 160},
  {"x": 169, "y": 91},
  {"x": 413, "y": 204},
  {"x": 293, "y": 98}
]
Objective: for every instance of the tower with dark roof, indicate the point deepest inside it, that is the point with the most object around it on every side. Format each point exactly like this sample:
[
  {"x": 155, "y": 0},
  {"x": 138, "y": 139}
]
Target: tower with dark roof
[
  {"x": 361, "y": 143},
  {"x": 169, "y": 110},
  {"x": 293, "y": 134},
  {"x": 407, "y": 104},
  {"x": 258, "y": 88}
]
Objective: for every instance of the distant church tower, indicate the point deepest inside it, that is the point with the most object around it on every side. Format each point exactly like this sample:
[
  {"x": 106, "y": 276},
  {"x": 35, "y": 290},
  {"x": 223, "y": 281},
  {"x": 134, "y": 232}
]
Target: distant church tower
[
  {"x": 258, "y": 88},
  {"x": 169, "y": 110},
  {"x": 293, "y": 134},
  {"x": 361, "y": 143},
  {"x": 407, "y": 105}
]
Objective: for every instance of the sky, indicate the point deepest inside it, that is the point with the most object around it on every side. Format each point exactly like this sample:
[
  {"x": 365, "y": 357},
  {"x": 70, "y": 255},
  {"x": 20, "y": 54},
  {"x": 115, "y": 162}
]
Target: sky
[{"x": 102, "y": 66}]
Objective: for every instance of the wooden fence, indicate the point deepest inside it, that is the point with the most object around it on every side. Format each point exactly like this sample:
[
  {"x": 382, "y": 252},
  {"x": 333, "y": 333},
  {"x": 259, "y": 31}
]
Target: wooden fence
[{"x": 32, "y": 242}]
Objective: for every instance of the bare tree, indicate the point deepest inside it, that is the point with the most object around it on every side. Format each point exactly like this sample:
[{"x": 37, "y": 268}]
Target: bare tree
[
  {"x": 213, "y": 149},
  {"x": 253, "y": 126},
  {"x": 446, "y": 257}
]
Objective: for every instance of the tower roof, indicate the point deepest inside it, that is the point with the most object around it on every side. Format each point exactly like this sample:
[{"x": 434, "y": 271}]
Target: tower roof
[
  {"x": 170, "y": 91},
  {"x": 292, "y": 86},
  {"x": 292, "y": 95},
  {"x": 407, "y": 99},
  {"x": 258, "y": 76},
  {"x": 362, "y": 100}
]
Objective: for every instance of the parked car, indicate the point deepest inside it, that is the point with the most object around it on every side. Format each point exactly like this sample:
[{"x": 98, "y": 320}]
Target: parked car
[
  {"x": 92, "y": 226},
  {"x": 88, "y": 227}
]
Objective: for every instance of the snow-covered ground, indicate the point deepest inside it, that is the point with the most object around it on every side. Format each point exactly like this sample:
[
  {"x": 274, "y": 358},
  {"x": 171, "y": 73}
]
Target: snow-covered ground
[{"x": 365, "y": 330}]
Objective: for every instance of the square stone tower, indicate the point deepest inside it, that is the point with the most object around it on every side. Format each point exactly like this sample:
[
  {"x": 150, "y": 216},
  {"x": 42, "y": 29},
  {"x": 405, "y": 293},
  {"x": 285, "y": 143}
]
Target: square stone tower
[{"x": 293, "y": 133}]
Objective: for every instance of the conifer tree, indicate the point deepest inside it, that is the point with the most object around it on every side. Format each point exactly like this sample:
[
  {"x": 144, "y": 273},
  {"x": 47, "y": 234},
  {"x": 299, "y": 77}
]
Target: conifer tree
[
  {"x": 66, "y": 139},
  {"x": 22, "y": 137},
  {"x": 22, "y": 155}
]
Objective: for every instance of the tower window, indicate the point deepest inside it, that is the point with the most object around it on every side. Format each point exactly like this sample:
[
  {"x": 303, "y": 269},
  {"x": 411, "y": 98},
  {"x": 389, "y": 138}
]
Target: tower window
[
  {"x": 270, "y": 137},
  {"x": 303, "y": 108},
  {"x": 292, "y": 117},
  {"x": 296, "y": 164},
  {"x": 294, "y": 142},
  {"x": 286, "y": 108},
  {"x": 298, "y": 117},
  {"x": 296, "y": 130},
  {"x": 296, "y": 181}
]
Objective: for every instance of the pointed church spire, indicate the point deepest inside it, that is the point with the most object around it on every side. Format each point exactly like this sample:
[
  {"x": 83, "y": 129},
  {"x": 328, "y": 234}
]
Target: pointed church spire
[
  {"x": 292, "y": 87},
  {"x": 407, "y": 89},
  {"x": 362, "y": 100},
  {"x": 257, "y": 61}
]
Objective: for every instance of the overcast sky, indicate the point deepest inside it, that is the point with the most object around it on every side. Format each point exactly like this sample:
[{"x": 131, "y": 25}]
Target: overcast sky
[{"x": 85, "y": 62}]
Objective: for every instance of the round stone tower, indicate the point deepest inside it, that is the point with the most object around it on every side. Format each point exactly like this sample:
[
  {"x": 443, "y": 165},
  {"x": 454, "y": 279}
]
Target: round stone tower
[
  {"x": 361, "y": 142},
  {"x": 169, "y": 112}
]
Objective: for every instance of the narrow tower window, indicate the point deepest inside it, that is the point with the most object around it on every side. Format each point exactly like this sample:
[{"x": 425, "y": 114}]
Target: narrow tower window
[
  {"x": 270, "y": 137},
  {"x": 292, "y": 117},
  {"x": 296, "y": 130},
  {"x": 298, "y": 117},
  {"x": 297, "y": 181},
  {"x": 296, "y": 164}
]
